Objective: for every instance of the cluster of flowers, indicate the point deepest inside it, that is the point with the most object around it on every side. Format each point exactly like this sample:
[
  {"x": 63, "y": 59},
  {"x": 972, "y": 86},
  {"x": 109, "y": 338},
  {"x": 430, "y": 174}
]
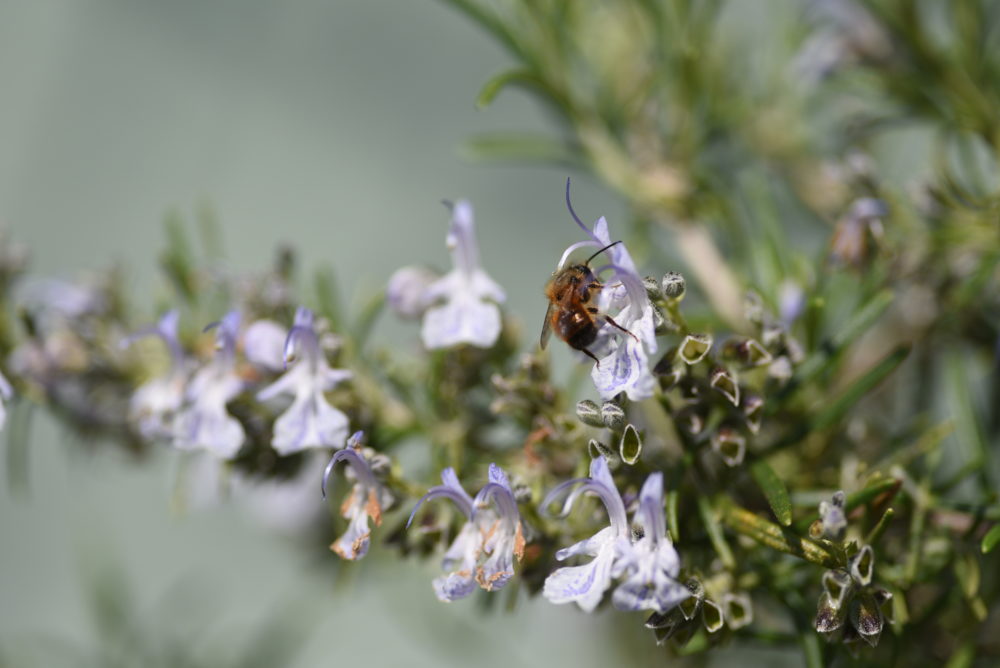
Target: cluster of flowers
[
  {"x": 187, "y": 406},
  {"x": 643, "y": 558},
  {"x": 190, "y": 406},
  {"x": 852, "y": 607}
]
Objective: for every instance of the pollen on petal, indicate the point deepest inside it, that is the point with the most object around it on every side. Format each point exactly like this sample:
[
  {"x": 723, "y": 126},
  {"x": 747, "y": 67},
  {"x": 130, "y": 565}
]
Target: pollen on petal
[
  {"x": 345, "y": 507},
  {"x": 519, "y": 543},
  {"x": 374, "y": 508}
]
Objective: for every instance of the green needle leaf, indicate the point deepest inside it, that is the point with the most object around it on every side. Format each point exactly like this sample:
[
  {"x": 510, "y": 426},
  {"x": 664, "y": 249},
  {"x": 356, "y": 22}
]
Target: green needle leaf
[
  {"x": 492, "y": 88},
  {"x": 774, "y": 491},
  {"x": 991, "y": 539}
]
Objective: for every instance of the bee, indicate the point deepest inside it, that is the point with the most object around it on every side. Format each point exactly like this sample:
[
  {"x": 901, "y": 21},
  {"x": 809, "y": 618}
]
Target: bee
[{"x": 572, "y": 293}]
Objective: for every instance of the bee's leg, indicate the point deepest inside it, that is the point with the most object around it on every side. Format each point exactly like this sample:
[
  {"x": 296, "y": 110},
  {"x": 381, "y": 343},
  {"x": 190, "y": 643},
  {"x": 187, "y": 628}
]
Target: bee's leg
[
  {"x": 611, "y": 320},
  {"x": 591, "y": 356}
]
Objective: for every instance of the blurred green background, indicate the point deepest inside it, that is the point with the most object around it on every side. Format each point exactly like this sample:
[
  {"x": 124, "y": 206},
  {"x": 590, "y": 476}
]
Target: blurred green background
[{"x": 330, "y": 126}]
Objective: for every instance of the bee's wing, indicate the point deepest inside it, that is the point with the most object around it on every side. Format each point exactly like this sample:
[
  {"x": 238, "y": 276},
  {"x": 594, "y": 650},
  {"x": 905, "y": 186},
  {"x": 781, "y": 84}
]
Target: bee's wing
[{"x": 546, "y": 326}]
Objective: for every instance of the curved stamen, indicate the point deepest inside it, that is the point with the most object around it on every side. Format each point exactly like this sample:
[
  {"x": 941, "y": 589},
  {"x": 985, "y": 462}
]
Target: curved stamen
[
  {"x": 571, "y": 249},
  {"x": 166, "y": 330},
  {"x": 504, "y": 500},
  {"x": 356, "y": 461},
  {"x": 447, "y": 492},
  {"x": 576, "y": 218},
  {"x": 609, "y": 497},
  {"x": 302, "y": 340},
  {"x": 225, "y": 339}
]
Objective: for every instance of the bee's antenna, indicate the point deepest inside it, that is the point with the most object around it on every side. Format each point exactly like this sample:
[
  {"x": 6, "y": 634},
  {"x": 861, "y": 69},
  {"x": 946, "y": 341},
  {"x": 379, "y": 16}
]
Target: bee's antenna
[
  {"x": 613, "y": 243},
  {"x": 569, "y": 205}
]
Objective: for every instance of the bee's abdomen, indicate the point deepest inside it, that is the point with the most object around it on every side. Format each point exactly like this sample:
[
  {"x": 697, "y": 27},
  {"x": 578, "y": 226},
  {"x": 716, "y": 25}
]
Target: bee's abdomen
[{"x": 577, "y": 328}]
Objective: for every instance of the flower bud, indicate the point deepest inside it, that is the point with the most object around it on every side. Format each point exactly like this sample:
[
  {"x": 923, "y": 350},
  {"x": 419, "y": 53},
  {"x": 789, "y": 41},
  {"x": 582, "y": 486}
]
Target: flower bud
[
  {"x": 380, "y": 464},
  {"x": 691, "y": 419},
  {"x": 831, "y": 514},
  {"x": 866, "y": 618},
  {"x": 522, "y": 493},
  {"x": 722, "y": 382},
  {"x": 730, "y": 444},
  {"x": 838, "y": 585},
  {"x": 630, "y": 446},
  {"x": 668, "y": 373},
  {"x": 863, "y": 566},
  {"x": 661, "y": 323},
  {"x": 673, "y": 285},
  {"x": 753, "y": 307},
  {"x": 883, "y": 597},
  {"x": 780, "y": 369},
  {"x": 689, "y": 607},
  {"x": 829, "y": 617},
  {"x": 653, "y": 289},
  {"x": 598, "y": 449},
  {"x": 753, "y": 411},
  {"x": 589, "y": 413},
  {"x": 711, "y": 616},
  {"x": 664, "y": 625},
  {"x": 739, "y": 609},
  {"x": 406, "y": 289},
  {"x": 694, "y": 347},
  {"x": 612, "y": 415},
  {"x": 748, "y": 351}
]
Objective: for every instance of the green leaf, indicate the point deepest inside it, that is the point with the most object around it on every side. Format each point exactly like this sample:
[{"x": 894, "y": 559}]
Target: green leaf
[
  {"x": 328, "y": 298},
  {"x": 991, "y": 539},
  {"x": 370, "y": 311},
  {"x": 774, "y": 491},
  {"x": 746, "y": 523},
  {"x": 968, "y": 574},
  {"x": 672, "y": 524},
  {"x": 839, "y": 407},
  {"x": 631, "y": 445},
  {"x": 710, "y": 520},
  {"x": 492, "y": 88},
  {"x": 876, "y": 533},
  {"x": 862, "y": 386},
  {"x": 178, "y": 259},
  {"x": 519, "y": 147},
  {"x": 846, "y": 334}
]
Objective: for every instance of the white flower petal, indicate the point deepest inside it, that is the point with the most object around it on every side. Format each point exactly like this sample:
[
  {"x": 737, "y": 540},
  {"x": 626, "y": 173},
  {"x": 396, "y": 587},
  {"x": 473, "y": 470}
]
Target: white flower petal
[
  {"x": 464, "y": 319},
  {"x": 264, "y": 344},
  {"x": 585, "y": 584}
]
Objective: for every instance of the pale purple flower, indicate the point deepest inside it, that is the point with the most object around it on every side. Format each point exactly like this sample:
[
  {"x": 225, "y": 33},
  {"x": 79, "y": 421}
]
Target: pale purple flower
[
  {"x": 462, "y": 304},
  {"x": 483, "y": 552},
  {"x": 6, "y": 394},
  {"x": 364, "y": 503},
  {"x": 650, "y": 565},
  {"x": 54, "y": 296},
  {"x": 406, "y": 288},
  {"x": 310, "y": 421},
  {"x": 623, "y": 355},
  {"x": 264, "y": 344},
  {"x": 155, "y": 403},
  {"x": 791, "y": 302},
  {"x": 586, "y": 584},
  {"x": 204, "y": 422}
]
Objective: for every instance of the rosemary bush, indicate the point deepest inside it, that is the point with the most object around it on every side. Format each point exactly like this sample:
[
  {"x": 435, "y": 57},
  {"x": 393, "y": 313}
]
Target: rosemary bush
[{"x": 790, "y": 439}]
